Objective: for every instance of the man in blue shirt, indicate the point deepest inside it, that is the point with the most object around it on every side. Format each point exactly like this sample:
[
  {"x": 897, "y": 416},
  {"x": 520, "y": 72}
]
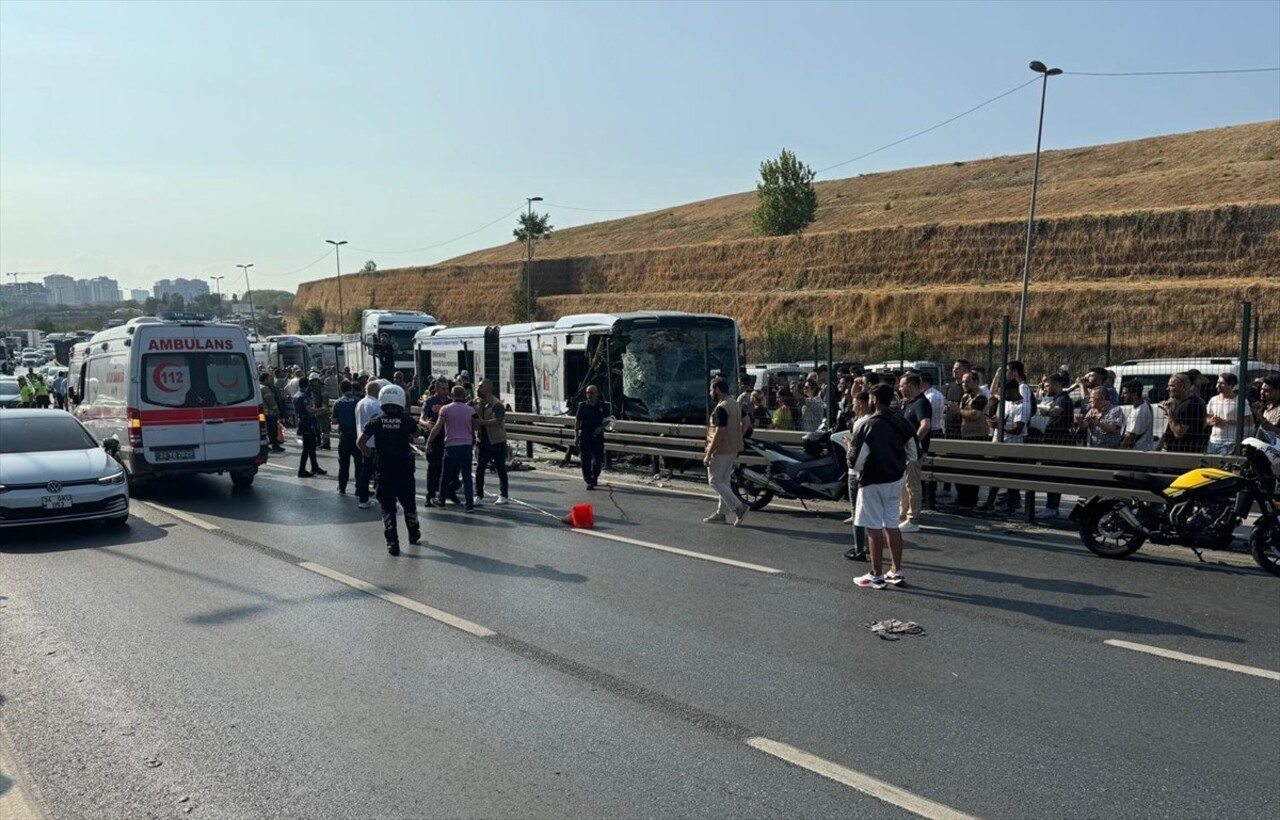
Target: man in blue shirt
[{"x": 344, "y": 412}]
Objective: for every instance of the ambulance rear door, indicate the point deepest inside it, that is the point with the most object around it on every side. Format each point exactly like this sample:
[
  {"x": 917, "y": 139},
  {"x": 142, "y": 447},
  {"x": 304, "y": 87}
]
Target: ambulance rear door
[
  {"x": 171, "y": 419},
  {"x": 231, "y": 403}
]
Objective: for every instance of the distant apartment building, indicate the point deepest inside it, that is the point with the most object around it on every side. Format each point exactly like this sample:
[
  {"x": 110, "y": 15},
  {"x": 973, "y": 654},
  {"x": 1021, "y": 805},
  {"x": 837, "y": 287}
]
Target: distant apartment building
[
  {"x": 188, "y": 289},
  {"x": 139, "y": 295},
  {"x": 25, "y": 293},
  {"x": 63, "y": 290}
]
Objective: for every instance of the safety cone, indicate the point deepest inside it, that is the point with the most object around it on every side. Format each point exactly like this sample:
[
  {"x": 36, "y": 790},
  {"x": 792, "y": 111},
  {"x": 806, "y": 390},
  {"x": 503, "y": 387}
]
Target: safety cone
[{"x": 581, "y": 517}]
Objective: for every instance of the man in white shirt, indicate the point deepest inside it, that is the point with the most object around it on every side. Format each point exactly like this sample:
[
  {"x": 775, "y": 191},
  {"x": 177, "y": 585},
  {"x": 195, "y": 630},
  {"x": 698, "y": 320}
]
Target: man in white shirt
[
  {"x": 367, "y": 409},
  {"x": 1137, "y": 428},
  {"x": 1221, "y": 417}
]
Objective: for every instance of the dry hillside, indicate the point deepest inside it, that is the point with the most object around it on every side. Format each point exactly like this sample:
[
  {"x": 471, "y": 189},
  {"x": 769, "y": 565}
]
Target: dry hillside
[{"x": 1145, "y": 232}]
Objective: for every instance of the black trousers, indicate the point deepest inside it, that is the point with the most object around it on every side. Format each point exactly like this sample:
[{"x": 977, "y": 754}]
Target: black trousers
[
  {"x": 495, "y": 454},
  {"x": 591, "y": 451},
  {"x": 308, "y": 451},
  {"x": 435, "y": 466},
  {"x": 391, "y": 491},
  {"x": 348, "y": 454},
  {"x": 273, "y": 431},
  {"x": 365, "y": 474}
]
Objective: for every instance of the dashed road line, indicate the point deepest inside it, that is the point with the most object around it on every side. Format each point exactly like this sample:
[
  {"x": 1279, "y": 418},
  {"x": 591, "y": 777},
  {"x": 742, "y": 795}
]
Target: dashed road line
[
  {"x": 865, "y": 783},
  {"x": 182, "y": 516},
  {"x": 400, "y": 600},
  {"x": 701, "y": 556},
  {"x": 1196, "y": 659}
]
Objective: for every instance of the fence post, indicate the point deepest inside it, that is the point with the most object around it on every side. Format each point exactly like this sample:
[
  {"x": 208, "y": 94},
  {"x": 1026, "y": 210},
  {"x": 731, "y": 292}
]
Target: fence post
[
  {"x": 1107, "y": 360},
  {"x": 1004, "y": 377},
  {"x": 706, "y": 367},
  {"x": 991, "y": 353},
  {"x": 1242, "y": 383},
  {"x": 815, "y": 352},
  {"x": 831, "y": 377},
  {"x": 1257, "y": 331},
  {"x": 902, "y": 350}
]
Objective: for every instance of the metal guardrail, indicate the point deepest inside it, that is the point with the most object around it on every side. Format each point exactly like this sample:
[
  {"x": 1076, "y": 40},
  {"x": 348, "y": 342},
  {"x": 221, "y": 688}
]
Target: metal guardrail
[{"x": 1034, "y": 468}]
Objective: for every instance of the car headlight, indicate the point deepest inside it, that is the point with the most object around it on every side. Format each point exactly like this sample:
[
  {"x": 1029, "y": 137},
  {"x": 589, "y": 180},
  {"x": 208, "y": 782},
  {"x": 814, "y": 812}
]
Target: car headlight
[{"x": 114, "y": 478}]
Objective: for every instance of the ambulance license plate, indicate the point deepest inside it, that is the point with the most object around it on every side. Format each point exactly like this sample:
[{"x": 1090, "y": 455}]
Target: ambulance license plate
[{"x": 181, "y": 454}]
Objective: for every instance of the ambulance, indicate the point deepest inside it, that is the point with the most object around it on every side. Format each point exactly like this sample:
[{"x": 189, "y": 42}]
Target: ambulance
[{"x": 178, "y": 392}]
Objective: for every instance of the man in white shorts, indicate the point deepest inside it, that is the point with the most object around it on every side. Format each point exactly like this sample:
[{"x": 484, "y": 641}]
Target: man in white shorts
[{"x": 882, "y": 449}]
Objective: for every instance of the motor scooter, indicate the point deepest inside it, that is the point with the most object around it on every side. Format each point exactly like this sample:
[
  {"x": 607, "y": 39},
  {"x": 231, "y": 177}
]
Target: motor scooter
[{"x": 817, "y": 472}]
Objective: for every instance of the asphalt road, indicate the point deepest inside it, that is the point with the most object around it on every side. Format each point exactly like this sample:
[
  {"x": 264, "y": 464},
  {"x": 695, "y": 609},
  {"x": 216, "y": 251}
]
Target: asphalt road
[{"x": 259, "y": 654}]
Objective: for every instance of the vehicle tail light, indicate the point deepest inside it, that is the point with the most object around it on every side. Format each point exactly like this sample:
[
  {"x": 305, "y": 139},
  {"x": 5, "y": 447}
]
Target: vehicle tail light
[
  {"x": 135, "y": 428},
  {"x": 262, "y": 425}
]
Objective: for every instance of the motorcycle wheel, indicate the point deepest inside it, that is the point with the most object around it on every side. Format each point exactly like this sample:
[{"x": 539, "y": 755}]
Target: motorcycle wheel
[
  {"x": 1264, "y": 546},
  {"x": 754, "y": 497},
  {"x": 1105, "y": 533}
]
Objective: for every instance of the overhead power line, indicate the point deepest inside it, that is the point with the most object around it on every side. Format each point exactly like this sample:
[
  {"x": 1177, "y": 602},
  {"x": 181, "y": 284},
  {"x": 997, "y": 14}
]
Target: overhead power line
[
  {"x": 308, "y": 266},
  {"x": 510, "y": 213},
  {"x": 1171, "y": 73},
  {"x": 930, "y": 128}
]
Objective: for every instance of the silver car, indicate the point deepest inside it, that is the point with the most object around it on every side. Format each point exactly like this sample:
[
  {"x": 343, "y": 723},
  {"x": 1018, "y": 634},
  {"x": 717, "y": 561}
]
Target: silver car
[{"x": 52, "y": 471}]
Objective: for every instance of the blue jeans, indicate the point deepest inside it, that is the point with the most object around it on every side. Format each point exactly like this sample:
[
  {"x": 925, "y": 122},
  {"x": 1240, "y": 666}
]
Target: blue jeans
[
  {"x": 1223, "y": 449},
  {"x": 457, "y": 459}
]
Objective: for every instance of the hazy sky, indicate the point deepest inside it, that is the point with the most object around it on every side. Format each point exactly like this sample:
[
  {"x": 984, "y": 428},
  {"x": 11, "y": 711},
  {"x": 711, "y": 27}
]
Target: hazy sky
[{"x": 144, "y": 140}]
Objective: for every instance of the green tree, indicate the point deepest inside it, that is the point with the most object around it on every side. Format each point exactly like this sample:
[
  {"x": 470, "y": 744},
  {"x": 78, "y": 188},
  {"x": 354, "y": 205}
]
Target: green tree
[
  {"x": 352, "y": 324},
  {"x": 268, "y": 300},
  {"x": 533, "y": 225},
  {"x": 787, "y": 341},
  {"x": 311, "y": 321},
  {"x": 787, "y": 201},
  {"x": 46, "y": 325},
  {"x": 176, "y": 302},
  {"x": 428, "y": 305},
  {"x": 369, "y": 266},
  {"x": 151, "y": 306},
  {"x": 518, "y": 311}
]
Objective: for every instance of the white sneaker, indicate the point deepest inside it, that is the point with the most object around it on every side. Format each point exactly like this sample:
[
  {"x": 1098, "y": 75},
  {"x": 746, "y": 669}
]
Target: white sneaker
[
  {"x": 714, "y": 518},
  {"x": 909, "y": 526},
  {"x": 741, "y": 515},
  {"x": 848, "y": 520},
  {"x": 502, "y": 499},
  {"x": 366, "y": 505}
]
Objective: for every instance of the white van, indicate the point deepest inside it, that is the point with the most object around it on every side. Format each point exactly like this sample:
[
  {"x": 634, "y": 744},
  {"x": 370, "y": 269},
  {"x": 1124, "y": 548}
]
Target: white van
[{"x": 179, "y": 394}]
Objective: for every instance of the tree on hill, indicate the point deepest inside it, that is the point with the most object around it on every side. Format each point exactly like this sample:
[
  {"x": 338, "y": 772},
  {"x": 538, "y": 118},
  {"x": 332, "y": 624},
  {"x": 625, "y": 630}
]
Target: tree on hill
[
  {"x": 352, "y": 324},
  {"x": 787, "y": 201},
  {"x": 269, "y": 300},
  {"x": 428, "y": 305},
  {"x": 311, "y": 321},
  {"x": 519, "y": 312},
  {"x": 533, "y": 226},
  {"x": 369, "y": 266}
]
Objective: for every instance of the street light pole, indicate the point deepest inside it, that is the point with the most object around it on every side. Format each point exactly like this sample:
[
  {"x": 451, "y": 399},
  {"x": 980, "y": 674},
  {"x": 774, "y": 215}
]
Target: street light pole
[
  {"x": 249, "y": 292},
  {"x": 1040, "y": 68},
  {"x": 337, "y": 261},
  {"x": 528, "y": 258},
  {"x": 217, "y": 283}
]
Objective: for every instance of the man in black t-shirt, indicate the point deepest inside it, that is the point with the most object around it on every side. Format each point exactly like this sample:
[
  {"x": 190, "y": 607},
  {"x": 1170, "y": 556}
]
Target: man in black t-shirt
[
  {"x": 588, "y": 431},
  {"x": 1060, "y": 430},
  {"x": 918, "y": 412},
  {"x": 385, "y": 352},
  {"x": 1185, "y": 431},
  {"x": 394, "y": 431}
]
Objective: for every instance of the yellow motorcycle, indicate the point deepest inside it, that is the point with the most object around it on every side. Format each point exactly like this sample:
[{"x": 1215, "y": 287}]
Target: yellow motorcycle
[{"x": 1200, "y": 509}]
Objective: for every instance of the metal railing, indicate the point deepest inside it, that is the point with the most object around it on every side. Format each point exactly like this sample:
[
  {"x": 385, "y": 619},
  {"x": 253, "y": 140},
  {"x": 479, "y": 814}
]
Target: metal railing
[{"x": 1032, "y": 468}]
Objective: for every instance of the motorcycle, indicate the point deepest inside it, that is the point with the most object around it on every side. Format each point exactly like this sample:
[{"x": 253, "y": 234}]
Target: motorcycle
[
  {"x": 816, "y": 473},
  {"x": 1199, "y": 509}
]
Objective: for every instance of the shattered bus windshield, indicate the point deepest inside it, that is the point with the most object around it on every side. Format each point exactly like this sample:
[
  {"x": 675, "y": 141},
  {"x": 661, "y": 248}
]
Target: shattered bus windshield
[{"x": 666, "y": 370}]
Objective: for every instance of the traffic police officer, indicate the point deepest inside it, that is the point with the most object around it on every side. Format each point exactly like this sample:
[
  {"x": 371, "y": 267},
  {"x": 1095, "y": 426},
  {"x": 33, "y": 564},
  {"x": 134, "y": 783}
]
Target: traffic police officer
[{"x": 394, "y": 431}]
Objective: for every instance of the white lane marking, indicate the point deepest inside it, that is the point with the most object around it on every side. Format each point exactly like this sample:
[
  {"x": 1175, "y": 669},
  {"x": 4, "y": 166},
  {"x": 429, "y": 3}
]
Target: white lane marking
[
  {"x": 276, "y": 466},
  {"x": 1196, "y": 659},
  {"x": 865, "y": 783},
  {"x": 401, "y": 601},
  {"x": 701, "y": 556},
  {"x": 181, "y": 516}
]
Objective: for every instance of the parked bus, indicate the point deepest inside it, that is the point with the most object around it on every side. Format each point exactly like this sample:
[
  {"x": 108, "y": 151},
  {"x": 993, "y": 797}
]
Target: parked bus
[{"x": 400, "y": 326}]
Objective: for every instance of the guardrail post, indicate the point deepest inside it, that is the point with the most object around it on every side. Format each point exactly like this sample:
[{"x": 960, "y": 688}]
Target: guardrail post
[{"x": 1242, "y": 383}]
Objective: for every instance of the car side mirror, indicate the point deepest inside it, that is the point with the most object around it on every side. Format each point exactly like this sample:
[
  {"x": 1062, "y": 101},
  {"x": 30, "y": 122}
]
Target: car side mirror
[{"x": 112, "y": 446}]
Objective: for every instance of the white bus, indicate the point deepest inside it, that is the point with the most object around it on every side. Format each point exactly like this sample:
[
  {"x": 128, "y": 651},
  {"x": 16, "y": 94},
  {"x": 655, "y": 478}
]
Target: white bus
[{"x": 399, "y": 328}]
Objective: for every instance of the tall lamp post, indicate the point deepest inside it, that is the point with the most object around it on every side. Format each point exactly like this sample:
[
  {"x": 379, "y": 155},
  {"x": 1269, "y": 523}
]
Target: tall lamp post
[
  {"x": 249, "y": 292},
  {"x": 1040, "y": 68},
  {"x": 217, "y": 283},
  {"x": 337, "y": 261},
  {"x": 528, "y": 258}
]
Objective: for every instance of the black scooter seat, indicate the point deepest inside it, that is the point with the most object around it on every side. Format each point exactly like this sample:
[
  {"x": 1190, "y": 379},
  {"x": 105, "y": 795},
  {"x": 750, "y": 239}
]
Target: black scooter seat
[{"x": 1155, "y": 483}]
